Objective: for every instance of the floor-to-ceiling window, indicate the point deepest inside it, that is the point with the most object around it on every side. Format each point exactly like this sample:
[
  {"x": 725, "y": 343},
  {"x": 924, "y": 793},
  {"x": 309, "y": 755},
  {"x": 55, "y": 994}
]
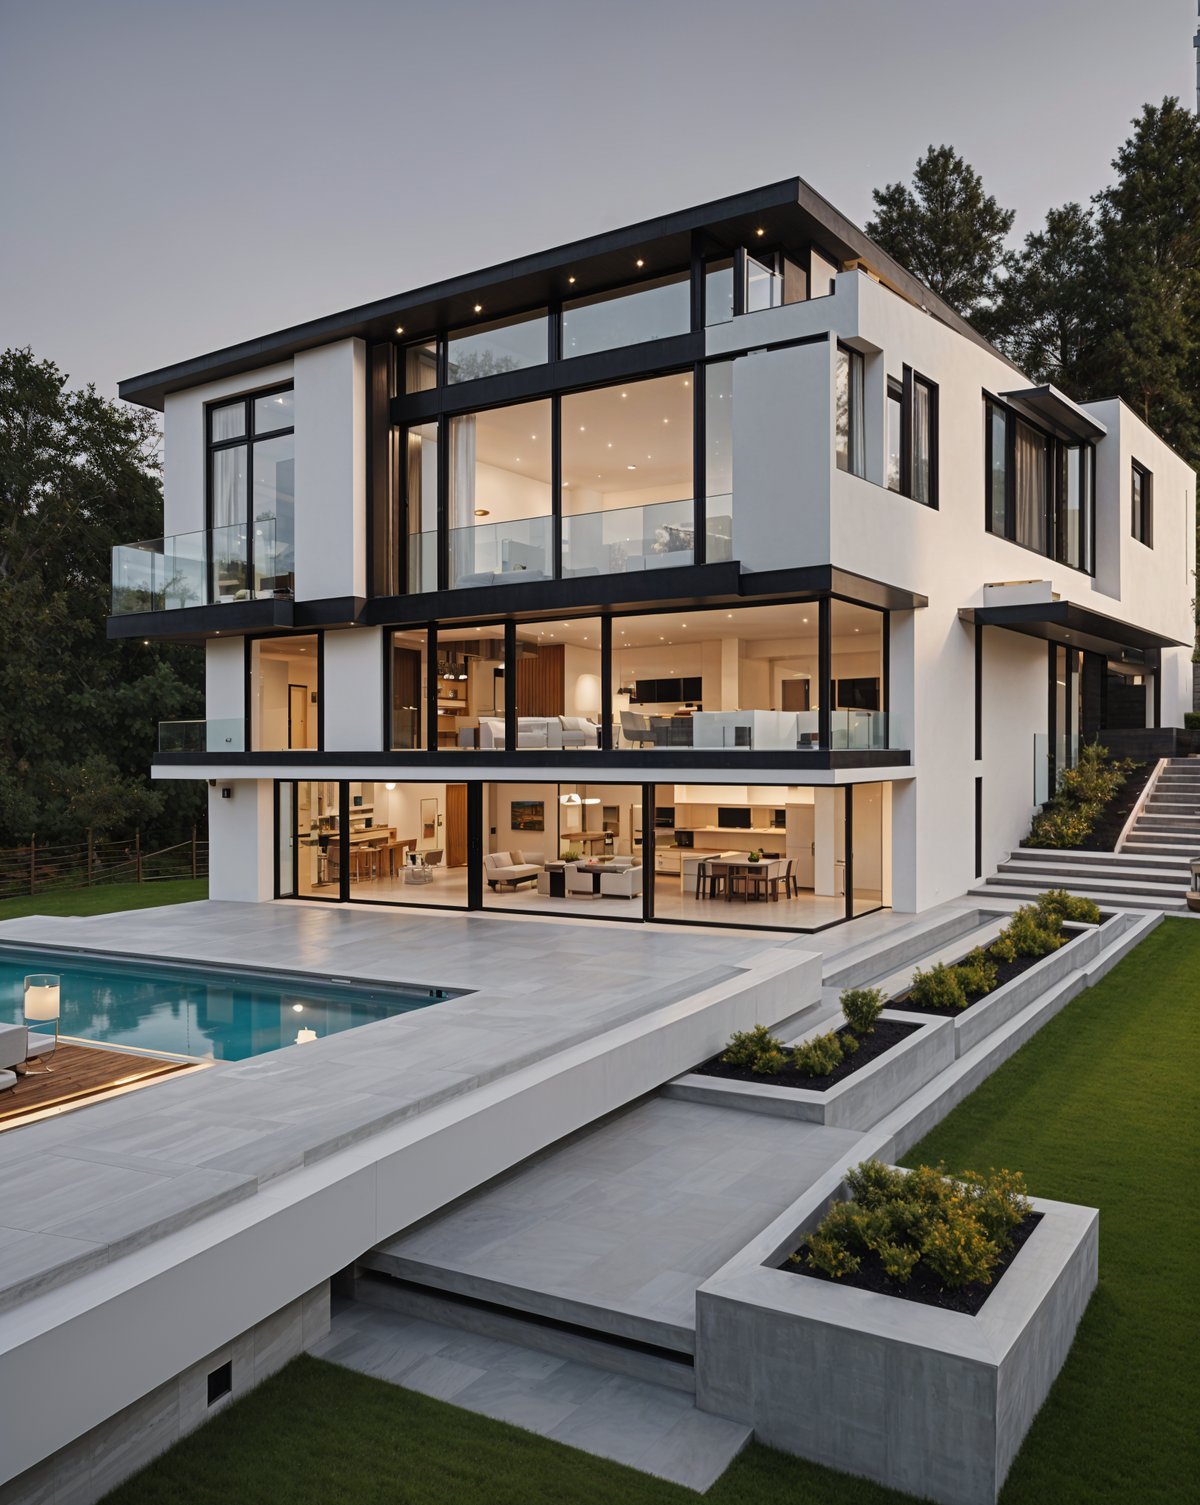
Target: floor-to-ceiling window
[
  {"x": 558, "y": 684},
  {"x": 251, "y": 496},
  {"x": 500, "y": 494},
  {"x": 470, "y": 674},
  {"x": 285, "y": 693},
  {"x": 627, "y": 477}
]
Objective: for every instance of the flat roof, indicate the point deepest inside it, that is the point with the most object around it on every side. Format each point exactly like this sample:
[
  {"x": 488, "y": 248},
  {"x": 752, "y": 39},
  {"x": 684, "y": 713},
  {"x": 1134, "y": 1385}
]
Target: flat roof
[{"x": 790, "y": 211}]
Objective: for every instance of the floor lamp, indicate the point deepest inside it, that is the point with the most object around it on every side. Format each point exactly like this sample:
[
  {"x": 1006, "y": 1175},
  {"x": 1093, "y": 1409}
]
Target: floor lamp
[{"x": 43, "y": 1001}]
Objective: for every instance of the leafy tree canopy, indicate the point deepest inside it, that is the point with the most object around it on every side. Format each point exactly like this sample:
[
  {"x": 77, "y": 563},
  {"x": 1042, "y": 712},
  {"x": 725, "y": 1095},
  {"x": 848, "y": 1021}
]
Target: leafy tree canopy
[{"x": 78, "y": 474}]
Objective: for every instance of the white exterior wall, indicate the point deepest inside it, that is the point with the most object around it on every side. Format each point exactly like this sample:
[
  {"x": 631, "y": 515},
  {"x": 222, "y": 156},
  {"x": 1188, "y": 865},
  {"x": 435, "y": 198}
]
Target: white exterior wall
[
  {"x": 185, "y": 439},
  {"x": 241, "y": 840},
  {"x": 353, "y": 688},
  {"x": 331, "y": 471},
  {"x": 225, "y": 678}
]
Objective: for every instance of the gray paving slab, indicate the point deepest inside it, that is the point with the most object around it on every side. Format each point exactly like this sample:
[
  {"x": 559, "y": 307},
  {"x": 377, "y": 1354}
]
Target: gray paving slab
[
  {"x": 648, "y": 1426},
  {"x": 534, "y": 987},
  {"x": 625, "y": 1216}
]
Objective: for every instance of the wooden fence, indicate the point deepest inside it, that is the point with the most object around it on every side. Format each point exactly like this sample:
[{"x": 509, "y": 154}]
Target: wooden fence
[{"x": 42, "y": 867}]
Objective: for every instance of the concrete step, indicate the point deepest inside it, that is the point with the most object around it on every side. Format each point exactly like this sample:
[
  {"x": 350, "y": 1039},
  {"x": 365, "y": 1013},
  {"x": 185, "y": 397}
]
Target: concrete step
[
  {"x": 1053, "y": 872},
  {"x": 985, "y": 891},
  {"x": 645, "y": 1426},
  {"x": 874, "y": 959},
  {"x": 565, "y": 1340},
  {"x": 1084, "y": 862},
  {"x": 1098, "y": 881},
  {"x": 1167, "y": 838}
]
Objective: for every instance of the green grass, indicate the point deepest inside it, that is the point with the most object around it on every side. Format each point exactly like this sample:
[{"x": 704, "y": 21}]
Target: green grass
[
  {"x": 106, "y": 898},
  {"x": 1098, "y": 1108}
]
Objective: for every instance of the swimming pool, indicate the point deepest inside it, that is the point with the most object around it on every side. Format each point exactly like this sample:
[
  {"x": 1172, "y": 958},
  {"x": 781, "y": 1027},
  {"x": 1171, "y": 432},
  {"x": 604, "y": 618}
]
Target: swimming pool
[{"x": 192, "y": 1011}]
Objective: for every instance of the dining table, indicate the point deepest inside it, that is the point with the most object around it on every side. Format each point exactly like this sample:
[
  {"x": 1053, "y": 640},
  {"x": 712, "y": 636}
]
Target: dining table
[{"x": 768, "y": 873}]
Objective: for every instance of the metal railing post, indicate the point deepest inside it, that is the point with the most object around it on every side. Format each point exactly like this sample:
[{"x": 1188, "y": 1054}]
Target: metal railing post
[
  {"x": 137, "y": 852},
  {"x": 193, "y": 851}
]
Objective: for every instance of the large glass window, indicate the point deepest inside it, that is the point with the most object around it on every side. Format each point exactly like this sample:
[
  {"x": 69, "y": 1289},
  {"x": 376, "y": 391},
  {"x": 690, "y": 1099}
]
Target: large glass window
[
  {"x": 627, "y": 464},
  {"x": 651, "y": 310},
  {"x": 470, "y": 670},
  {"x": 506, "y": 345},
  {"x": 895, "y": 429},
  {"x": 500, "y": 490},
  {"x": 318, "y": 839},
  {"x": 718, "y": 291},
  {"x": 924, "y": 442},
  {"x": 849, "y": 439},
  {"x": 421, "y": 489},
  {"x": 558, "y": 680},
  {"x": 420, "y": 367},
  {"x": 857, "y": 694},
  {"x": 718, "y": 461},
  {"x": 251, "y": 498},
  {"x": 407, "y": 843},
  {"x": 284, "y": 693},
  {"x": 408, "y": 678},
  {"x": 1040, "y": 490}
]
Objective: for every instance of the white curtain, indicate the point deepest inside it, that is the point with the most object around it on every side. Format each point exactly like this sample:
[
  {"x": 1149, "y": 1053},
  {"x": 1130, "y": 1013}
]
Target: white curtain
[
  {"x": 462, "y": 472},
  {"x": 921, "y": 434},
  {"x": 1030, "y": 478},
  {"x": 858, "y": 461}
]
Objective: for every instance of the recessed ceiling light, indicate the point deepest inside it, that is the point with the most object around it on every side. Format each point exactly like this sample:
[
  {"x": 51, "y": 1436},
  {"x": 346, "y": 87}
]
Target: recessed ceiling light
[
  {"x": 399, "y": 328},
  {"x": 640, "y": 262},
  {"x": 571, "y": 280},
  {"x": 631, "y": 467},
  {"x": 479, "y": 308},
  {"x": 582, "y": 429},
  {"x": 760, "y": 231}
]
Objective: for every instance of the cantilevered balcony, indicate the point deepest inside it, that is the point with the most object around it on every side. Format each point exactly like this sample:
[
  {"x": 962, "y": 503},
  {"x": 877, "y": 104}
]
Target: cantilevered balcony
[{"x": 208, "y": 568}]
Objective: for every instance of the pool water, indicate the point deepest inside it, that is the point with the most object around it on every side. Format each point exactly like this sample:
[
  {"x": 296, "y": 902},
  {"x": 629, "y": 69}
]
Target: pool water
[{"x": 223, "y": 1016}]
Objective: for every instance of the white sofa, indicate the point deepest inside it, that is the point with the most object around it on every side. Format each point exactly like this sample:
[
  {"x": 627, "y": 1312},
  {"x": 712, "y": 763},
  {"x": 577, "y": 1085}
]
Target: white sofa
[
  {"x": 511, "y": 868},
  {"x": 532, "y": 731},
  {"x": 18, "y": 1044},
  {"x": 621, "y": 882},
  {"x": 578, "y": 731}
]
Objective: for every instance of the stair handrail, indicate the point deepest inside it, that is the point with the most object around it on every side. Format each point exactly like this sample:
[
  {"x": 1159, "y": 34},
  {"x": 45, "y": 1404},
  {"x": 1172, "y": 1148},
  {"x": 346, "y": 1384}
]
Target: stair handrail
[{"x": 1142, "y": 802}]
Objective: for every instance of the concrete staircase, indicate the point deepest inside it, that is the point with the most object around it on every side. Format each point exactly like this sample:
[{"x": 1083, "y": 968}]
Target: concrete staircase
[{"x": 1149, "y": 872}]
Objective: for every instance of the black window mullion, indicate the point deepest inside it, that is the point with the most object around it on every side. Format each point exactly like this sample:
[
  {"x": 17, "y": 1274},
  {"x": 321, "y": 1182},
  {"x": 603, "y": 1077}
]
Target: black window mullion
[
  {"x": 825, "y": 671},
  {"x": 907, "y": 418},
  {"x": 606, "y": 683},
  {"x": 510, "y": 684},
  {"x": 432, "y": 742},
  {"x": 848, "y": 852},
  {"x": 556, "y": 503},
  {"x": 443, "y": 504},
  {"x": 699, "y": 467}
]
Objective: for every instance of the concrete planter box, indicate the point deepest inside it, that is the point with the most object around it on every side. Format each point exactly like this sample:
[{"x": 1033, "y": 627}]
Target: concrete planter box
[
  {"x": 856, "y": 1102},
  {"x": 971, "y": 1026},
  {"x": 932, "y": 1402}
]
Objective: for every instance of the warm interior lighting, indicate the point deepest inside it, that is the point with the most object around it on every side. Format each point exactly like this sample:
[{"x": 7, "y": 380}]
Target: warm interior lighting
[
  {"x": 389, "y": 786},
  {"x": 482, "y": 512},
  {"x": 640, "y": 262},
  {"x": 760, "y": 231},
  {"x": 399, "y": 328},
  {"x": 479, "y": 308}
]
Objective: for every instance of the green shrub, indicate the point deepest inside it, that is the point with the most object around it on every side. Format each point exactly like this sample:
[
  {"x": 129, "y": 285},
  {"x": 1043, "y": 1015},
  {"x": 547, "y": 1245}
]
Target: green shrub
[
  {"x": 938, "y": 988},
  {"x": 1058, "y": 903},
  {"x": 756, "y": 1049},
  {"x": 1071, "y": 813},
  {"x": 1028, "y": 933},
  {"x": 959, "y": 1228},
  {"x": 977, "y": 973},
  {"x": 823, "y": 1054},
  {"x": 1191, "y": 720},
  {"x": 862, "y": 1007}
]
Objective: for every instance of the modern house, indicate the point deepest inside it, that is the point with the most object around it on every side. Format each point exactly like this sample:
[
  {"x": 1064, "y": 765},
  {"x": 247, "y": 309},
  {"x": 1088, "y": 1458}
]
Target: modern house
[{"x": 711, "y": 536}]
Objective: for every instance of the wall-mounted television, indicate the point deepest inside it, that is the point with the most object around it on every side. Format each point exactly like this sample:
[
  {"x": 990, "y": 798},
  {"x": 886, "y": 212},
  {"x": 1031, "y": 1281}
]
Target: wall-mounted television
[{"x": 737, "y": 818}]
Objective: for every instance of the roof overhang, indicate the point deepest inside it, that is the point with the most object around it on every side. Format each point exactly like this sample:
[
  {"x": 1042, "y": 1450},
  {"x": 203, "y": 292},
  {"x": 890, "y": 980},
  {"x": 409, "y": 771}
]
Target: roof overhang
[
  {"x": 788, "y": 212},
  {"x": 1054, "y": 409},
  {"x": 1072, "y": 625}
]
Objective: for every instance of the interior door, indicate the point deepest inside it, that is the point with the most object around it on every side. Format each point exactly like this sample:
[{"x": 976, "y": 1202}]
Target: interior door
[
  {"x": 297, "y": 716},
  {"x": 456, "y": 825},
  {"x": 795, "y": 695}
]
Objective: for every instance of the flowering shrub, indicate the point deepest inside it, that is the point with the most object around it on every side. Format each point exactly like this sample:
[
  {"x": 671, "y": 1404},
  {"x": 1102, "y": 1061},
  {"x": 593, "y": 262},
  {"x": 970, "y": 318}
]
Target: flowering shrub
[{"x": 959, "y": 1228}]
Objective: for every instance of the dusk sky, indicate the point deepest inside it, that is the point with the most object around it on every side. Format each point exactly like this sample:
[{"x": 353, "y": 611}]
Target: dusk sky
[{"x": 179, "y": 177}]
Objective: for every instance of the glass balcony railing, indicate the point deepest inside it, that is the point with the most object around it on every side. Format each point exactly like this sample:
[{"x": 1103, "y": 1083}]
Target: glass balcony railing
[
  {"x": 1066, "y": 755},
  {"x": 752, "y": 731},
  {"x": 227, "y": 735},
  {"x": 202, "y": 569},
  {"x": 422, "y": 562},
  {"x": 522, "y": 549},
  {"x": 621, "y": 539}
]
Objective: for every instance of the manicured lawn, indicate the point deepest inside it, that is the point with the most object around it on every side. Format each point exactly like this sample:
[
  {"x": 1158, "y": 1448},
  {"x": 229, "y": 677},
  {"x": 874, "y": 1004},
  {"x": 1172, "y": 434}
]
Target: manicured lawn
[
  {"x": 1099, "y": 1108},
  {"x": 107, "y": 897}
]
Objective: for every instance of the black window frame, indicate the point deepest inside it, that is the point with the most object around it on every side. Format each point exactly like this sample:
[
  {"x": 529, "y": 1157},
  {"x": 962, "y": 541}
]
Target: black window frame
[
  {"x": 912, "y": 379},
  {"x": 249, "y": 437},
  {"x": 840, "y": 348},
  {"x": 1055, "y": 498},
  {"x": 1141, "y": 514}
]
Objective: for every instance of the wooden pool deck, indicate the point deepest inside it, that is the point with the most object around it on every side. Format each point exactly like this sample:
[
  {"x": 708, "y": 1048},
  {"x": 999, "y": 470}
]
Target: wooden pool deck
[{"x": 78, "y": 1073}]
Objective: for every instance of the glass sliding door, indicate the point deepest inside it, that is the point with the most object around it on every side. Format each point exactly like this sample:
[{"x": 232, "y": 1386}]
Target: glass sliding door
[{"x": 318, "y": 853}]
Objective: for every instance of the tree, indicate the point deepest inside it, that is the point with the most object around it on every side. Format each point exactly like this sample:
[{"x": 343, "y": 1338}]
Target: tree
[
  {"x": 1149, "y": 244},
  {"x": 1046, "y": 314},
  {"x": 78, "y": 474},
  {"x": 945, "y": 230}
]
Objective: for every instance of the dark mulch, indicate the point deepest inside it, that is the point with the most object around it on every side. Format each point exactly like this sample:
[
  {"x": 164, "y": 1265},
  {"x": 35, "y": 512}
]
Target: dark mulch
[
  {"x": 1103, "y": 835},
  {"x": 922, "y": 1285},
  {"x": 1005, "y": 972},
  {"x": 887, "y": 1032}
]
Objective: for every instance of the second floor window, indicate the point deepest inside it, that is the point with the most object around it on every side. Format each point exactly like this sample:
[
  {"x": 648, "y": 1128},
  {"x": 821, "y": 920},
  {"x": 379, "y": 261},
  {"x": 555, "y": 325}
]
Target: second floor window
[
  {"x": 849, "y": 439},
  {"x": 251, "y": 495},
  {"x": 1040, "y": 490},
  {"x": 1141, "y": 499}
]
